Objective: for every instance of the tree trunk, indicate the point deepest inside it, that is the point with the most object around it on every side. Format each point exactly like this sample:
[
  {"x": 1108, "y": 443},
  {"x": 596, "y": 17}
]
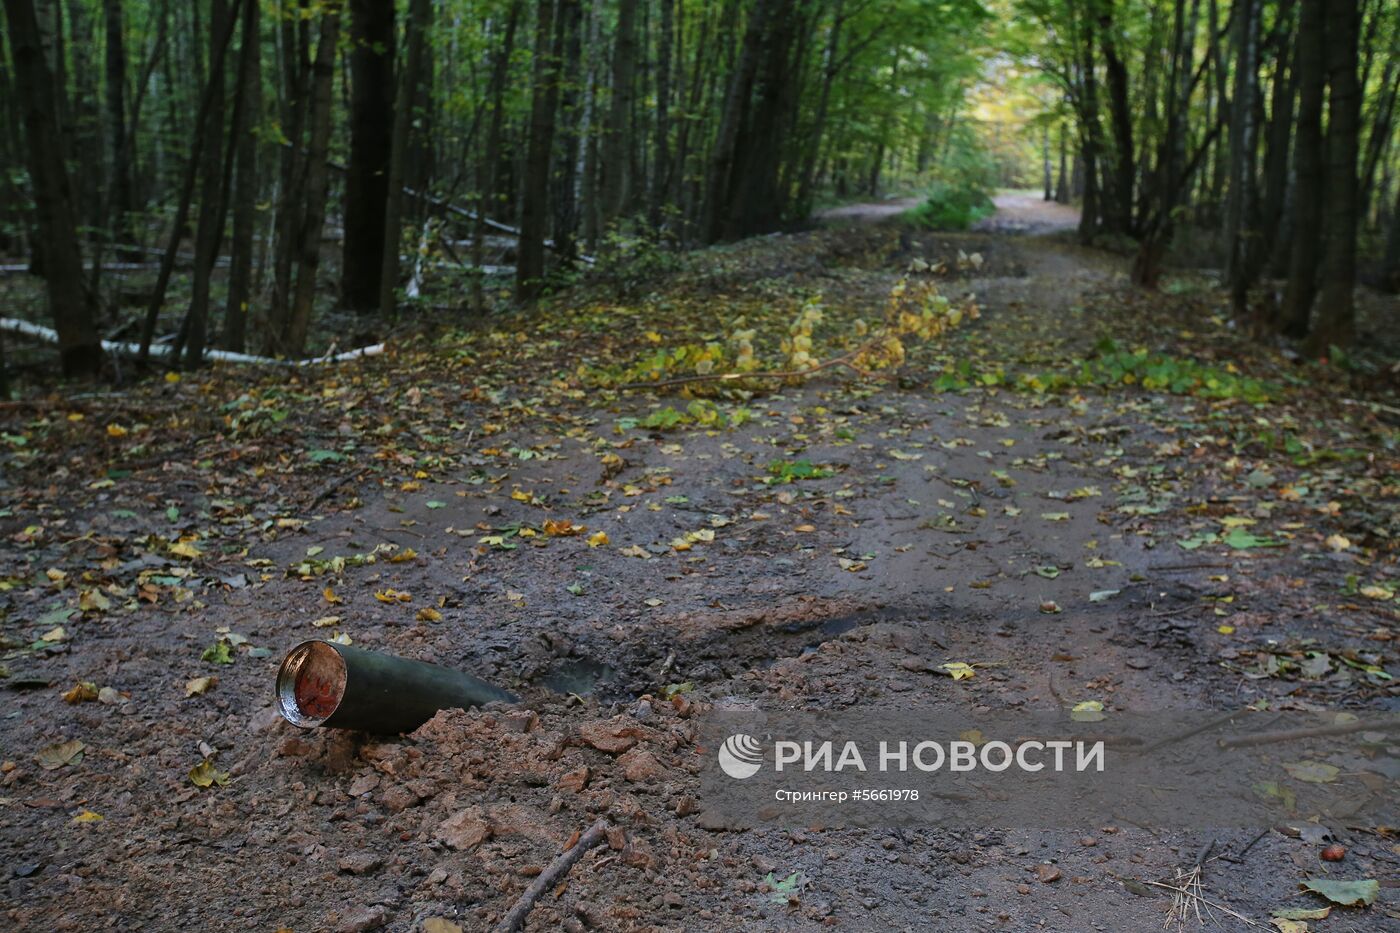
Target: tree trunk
[
  {"x": 371, "y": 121},
  {"x": 566, "y": 151},
  {"x": 121, "y": 200},
  {"x": 1242, "y": 147},
  {"x": 491, "y": 156},
  {"x": 616, "y": 130},
  {"x": 544, "y": 94},
  {"x": 660, "y": 186},
  {"x": 1335, "y": 324},
  {"x": 317, "y": 181},
  {"x": 1119, "y": 211},
  {"x": 414, "y": 41},
  {"x": 1296, "y": 311},
  {"x": 295, "y": 34},
  {"x": 212, "y": 205},
  {"x": 1390, "y": 269},
  {"x": 245, "y": 183},
  {"x": 80, "y": 350},
  {"x": 719, "y": 177}
]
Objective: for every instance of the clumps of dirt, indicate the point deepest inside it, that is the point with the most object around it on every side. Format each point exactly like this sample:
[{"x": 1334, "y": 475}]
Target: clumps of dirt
[{"x": 485, "y": 799}]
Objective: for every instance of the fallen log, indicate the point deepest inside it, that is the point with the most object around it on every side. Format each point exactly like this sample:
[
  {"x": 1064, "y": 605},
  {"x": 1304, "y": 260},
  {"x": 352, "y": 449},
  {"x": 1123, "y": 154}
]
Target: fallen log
[{"x": 49, "y": 335}]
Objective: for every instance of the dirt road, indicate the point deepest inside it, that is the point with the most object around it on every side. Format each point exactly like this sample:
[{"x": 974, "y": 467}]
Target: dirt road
[{"x": 961, "y": 513}]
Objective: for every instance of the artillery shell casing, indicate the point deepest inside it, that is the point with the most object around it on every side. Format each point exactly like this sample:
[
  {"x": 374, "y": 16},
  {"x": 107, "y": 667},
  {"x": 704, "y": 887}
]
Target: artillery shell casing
[{"x": 321, "y": 683}]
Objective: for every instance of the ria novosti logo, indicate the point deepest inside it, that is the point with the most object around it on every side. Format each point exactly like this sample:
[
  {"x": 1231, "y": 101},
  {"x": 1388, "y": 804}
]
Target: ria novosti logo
[{"x": 740, "y": 756}]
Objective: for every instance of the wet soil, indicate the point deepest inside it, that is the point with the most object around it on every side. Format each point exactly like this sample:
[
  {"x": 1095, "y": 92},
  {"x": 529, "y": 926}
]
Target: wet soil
[{"x": 966, "y": 525}]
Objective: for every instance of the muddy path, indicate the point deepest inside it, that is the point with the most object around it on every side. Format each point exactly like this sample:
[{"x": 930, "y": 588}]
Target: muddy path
[{"x": 954, "y": 518}]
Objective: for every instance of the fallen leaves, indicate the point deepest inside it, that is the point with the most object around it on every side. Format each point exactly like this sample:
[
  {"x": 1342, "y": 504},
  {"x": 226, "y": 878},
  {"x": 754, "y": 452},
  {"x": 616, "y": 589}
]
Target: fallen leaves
[
  {"x": 205, "y": 774},
  {"x": 198, "y": 686},
  {"x": 60, "y": 754},
  {"x": 1346, "y": 893}
]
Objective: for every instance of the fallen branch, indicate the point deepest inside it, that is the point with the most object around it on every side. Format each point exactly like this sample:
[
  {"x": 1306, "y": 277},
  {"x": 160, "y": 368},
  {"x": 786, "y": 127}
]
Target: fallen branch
[
  {"x": 557, "y": 869},
  {"x": 48, "y": 335},
  {"x": 1314, "y": 732}
]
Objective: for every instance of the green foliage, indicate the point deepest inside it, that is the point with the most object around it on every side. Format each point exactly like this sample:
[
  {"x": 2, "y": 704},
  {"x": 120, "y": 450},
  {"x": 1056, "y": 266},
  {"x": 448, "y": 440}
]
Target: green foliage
[
  {"x": 790, "y": 471},
  {"x": 699, "y": 413},
  {"x": 952, "y": 206}
]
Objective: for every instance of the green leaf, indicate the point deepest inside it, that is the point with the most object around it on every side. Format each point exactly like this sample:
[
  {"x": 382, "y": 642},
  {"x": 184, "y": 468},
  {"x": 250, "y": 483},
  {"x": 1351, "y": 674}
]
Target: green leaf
[
  {"x": 1240, "y": 540},
  {"x": 217, "y": 653},
  {"x": 1346, "y": 893},
  {"x": 435, "y": 504},
  {"x": 325, "y": 456}
]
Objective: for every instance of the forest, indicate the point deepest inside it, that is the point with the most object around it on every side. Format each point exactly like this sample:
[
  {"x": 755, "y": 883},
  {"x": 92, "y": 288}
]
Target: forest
[{"x": 445, "y": 443}]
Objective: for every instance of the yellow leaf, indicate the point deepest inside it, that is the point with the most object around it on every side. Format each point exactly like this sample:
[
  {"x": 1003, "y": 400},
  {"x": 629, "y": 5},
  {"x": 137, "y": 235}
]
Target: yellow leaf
[
  {"x": 393, "y": 596},
  {"x": 205, "y": 774},
  {"x": 329, "y": 595},
  {"x": 186, "y": 549},
  {"x": 326, "y": 621},
  {"x": 1088, "y": 711},
  {"x": 520, "y": 495},
  {"x": 958, "y": 670},
  {"x": 87, "y": 816},
  {"x": 1339, "y": 543},
  {"x": 411, "y": 487},
  {"x": 341, "y": 638},
  {"x": 198, "y": 685},
  {"x": 562, "y": 527},
  {"x": 598, "y": 539},
  {"x": 429, "y": 614},
  {"x": 83, "y": 690},
  {"x": 1377, "y": 592},
  {"x": 57, "y": 633},
  {"x": 116, "y": 430},
  {"x": 406, "y": 554},
  {"x": 172, "y": 378}
]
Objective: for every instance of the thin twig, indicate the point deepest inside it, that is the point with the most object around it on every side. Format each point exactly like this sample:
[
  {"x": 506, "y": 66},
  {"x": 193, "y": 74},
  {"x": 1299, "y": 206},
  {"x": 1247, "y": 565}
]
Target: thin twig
[{"x": 557, "y": 869}]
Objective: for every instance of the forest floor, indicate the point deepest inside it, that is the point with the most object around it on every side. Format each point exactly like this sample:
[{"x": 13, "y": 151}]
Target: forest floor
[{"x": 166, "y": 544}]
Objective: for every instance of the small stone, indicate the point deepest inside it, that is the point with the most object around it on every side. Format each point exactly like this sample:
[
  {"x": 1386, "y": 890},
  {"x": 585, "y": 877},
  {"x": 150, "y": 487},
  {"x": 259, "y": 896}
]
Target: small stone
[
  {"x": 399, "y": 797},
  {"x": 360, "y": 863},
  {"x": 364, "y": 784},
  {"x": 573, "y": 781},
  {"x": 1023, "y": 889},
  {"x": 524, "y": 720},
  {"x": 1047, "y": 873},
  {"x": 614, "y": 737},
  {"x": 464, "y": 830},
  {"x": 639, "y": 766},
  {"x": 364, "y": 918}
]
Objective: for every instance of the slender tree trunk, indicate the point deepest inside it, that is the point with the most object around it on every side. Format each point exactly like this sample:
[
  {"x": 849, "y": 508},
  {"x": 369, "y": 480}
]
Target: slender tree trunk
[
  {"x": 245, "y": 183},
  {"x": 211, "y": 205},
  {"x": 491, "y": 156},
  {"x": 371, "y": 134},
  {"x": 1062, "y": 184},
  {"x": 1390, "y": 269},
  {"x": 719, "y": 181},
  {"x": 566, "y": 151},
  {"x": 1335, "y": 325},
  {"x": 1296, "y": 312},
  {"x": 295, "y": 36},
  {"x": 121, "y": 200},
  {"x": 80, "y": 350},
  {"x": 1242, "y": 136},
  {"x": 415, "y": 41},
  {"x": 1120, "y": 210},
  {"x": 660, "y": 184},
  {"x": 529, "y": 266},
  {"x": 317, "y": 182},
  {"x": 616, "y": 131},
  {"x": 223, "y": 33}
]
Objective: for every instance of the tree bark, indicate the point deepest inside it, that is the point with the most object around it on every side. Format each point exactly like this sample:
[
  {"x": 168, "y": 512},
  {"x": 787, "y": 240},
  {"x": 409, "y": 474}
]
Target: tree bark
[
  {"x": 1335, "y": 325},
  {"x": 371, "y": 121},
  {"x": 1119, "y": 214},
  {"x": 212, "y": 205},
  {"x": 414, "y": 41},
  {"x": 491, "y": 156},
  {"x": 534, "y": 215},
  {"x": 80, "y": 350},
  {"x": 566, "y": 151},
  {"x": 317, "y": 182},
  {"x": 660, "y": 186},
  {"x": 1296, "y": 311},
  {"x": 617, "y": 141},
  {"x": 235, "y": 335},
  {"x": 121, "y": 200}
]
